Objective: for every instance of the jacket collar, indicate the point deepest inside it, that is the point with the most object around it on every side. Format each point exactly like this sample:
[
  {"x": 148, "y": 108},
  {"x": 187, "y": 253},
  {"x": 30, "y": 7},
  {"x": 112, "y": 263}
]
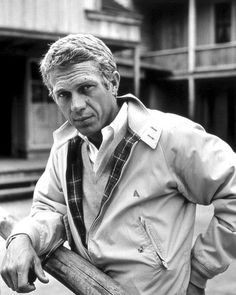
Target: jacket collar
[
  {"x": 140, "y": 121},
  {"x": 63, "y": 134}
]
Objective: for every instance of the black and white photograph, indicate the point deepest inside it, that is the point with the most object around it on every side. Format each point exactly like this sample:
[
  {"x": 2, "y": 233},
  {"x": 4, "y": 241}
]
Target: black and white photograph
[{"x": 117, "y": 151}]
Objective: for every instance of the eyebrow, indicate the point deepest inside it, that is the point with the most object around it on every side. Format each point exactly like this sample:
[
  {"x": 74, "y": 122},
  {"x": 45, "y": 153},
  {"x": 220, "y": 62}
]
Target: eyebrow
[{"x": 59, "y": 88}]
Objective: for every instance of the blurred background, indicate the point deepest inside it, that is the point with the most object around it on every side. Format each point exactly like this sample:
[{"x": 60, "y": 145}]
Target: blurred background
[{"x": 176, "y": 55}]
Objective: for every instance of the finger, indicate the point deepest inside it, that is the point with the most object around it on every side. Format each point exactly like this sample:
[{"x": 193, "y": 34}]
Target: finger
[
  {"x": 31, "y": 276},
  {"x": 10, "y": 278},
  {"x": 23, "y": 285},
  {"x": 14, "y": 280},
  {"x": 39, "y": 272},
  {"x": 7, "y": 281},
  {"x": 6, "y": 274},
  {"x": 26, "y": 289}
]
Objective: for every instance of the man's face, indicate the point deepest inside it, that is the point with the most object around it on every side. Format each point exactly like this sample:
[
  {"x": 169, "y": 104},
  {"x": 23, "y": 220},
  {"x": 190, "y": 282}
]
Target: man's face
[{"x": 84, "y": 99}]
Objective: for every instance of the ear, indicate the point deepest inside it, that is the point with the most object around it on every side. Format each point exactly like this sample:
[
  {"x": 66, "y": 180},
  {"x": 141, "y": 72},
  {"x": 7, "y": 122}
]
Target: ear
[{"x": 115, "y": 82}]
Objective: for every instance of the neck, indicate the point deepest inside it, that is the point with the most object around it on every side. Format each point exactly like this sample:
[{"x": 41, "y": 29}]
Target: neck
[{"x": 96, "y": 139}]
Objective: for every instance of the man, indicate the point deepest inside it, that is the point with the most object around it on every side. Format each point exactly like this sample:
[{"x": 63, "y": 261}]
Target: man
[{"x": 122, "y": 183}]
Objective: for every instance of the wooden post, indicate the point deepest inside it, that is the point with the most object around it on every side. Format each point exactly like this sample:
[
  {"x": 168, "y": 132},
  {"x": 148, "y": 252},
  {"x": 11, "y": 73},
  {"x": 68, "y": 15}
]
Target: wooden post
[
  {"x": 137, "y": 70},
  {"x": 191, "y": 56},
  {"x": 191, "y": 97},
  {"x": 73, "y": 271}
]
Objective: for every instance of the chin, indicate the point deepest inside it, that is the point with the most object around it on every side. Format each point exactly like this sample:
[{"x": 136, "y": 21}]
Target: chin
[{"x": 85, "y": 132}]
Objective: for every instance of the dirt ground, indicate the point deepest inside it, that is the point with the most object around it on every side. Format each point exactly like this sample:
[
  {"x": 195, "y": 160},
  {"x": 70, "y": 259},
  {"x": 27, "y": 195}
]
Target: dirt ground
[{"x": 224, "y": 284}]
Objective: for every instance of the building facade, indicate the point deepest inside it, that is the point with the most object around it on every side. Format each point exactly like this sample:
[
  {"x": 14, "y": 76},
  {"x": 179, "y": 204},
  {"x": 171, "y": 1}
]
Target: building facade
[
  {"x": 176, "y": 55},
  {"x": 196, "y": 41},
  {"x": 28, "y": 115}
]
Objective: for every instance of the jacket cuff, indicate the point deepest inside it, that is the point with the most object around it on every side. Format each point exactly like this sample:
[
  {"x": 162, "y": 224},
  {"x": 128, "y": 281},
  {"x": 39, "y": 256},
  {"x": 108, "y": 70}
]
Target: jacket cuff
[
  {"x": 199, "y": 275},
  {"x": 27, "y": 226}
]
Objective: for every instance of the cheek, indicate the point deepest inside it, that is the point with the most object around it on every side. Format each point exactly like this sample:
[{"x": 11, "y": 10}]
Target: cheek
[{"x": 65, "y": 109}]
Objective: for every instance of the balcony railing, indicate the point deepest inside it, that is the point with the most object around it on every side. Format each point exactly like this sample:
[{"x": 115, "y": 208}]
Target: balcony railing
[
  {"x": 216, "y": 56},
  {"x": 171, "y": 59},
  {"x": 207, "y": 58}
]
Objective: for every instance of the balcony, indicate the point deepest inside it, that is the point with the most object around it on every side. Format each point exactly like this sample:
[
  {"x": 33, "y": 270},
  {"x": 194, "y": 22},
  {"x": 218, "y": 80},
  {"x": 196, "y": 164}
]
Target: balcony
[
  {"x": 216, "y": 57},
  {"x": 213, "y": 58},
  {"x": 122, "y": 27},
  {"x": 175, "y": 60}
]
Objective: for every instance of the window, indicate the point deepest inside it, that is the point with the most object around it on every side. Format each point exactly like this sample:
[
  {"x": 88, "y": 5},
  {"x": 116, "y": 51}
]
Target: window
[
  {"x": 222, "y": 22},
  {"x": 39, "y": 91}
]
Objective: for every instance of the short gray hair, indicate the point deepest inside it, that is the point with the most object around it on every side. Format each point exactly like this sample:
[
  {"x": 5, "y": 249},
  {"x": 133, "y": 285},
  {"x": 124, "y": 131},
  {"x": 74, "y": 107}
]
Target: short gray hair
[{"x": 74, "y": 49}]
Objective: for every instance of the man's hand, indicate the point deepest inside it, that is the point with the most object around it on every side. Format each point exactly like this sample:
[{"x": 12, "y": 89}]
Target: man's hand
[
  {"x": 20, "y": 263},
  {"x": 194, "y": 290}
]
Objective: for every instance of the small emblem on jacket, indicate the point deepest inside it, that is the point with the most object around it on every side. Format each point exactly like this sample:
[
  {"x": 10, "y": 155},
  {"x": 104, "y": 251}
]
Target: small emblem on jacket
[{"x": 136, "y": 194}]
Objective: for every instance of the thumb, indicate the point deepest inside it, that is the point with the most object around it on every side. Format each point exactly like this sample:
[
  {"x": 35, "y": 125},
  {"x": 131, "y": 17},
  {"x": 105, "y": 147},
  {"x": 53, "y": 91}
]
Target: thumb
[{"x": 39, "y": 272}]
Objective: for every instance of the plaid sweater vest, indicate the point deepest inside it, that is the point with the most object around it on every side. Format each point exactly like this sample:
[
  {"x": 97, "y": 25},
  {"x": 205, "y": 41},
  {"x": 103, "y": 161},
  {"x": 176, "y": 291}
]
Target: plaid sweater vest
[{"x": 74, "y": 175}]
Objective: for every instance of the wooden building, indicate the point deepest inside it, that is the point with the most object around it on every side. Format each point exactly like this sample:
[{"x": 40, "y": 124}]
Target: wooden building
[
  {"x": 176, "y": 55},
  {"x": 27, "y": 115},
  {"x": 196, "y": 40}
]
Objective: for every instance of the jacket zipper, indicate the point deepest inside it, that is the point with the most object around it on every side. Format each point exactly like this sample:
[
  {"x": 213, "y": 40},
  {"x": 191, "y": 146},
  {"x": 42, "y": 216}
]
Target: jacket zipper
[
  {"x": 147, "y": 228},
  {"x": 103, "y": 206}
]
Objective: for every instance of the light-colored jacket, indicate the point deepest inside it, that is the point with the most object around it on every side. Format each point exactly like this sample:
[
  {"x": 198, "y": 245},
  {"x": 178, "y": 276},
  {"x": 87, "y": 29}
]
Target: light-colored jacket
[{"x": 142, "y": 236}]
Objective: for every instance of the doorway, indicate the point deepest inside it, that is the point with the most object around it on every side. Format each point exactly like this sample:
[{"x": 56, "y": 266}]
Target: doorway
[
  {"x": 216, "y": 108},
  {"x": 12, "y": 86}
]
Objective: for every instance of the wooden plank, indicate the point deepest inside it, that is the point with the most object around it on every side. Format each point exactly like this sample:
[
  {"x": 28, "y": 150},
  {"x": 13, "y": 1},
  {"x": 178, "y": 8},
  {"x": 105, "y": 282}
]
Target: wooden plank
[
  {"x": 76, "y": 19},
  {"x": 215, "y": 56},
  {"x": 137, "y": 70},
  {"x": 8, "y": 193},
  {"x": 29, "y": 15},
  {"x": 191, "y": 97},
  {"x": 3, "y": 13},
  {"x": 80, "y": 276},
  {"x": 17, "y": 179},
  {"x": 73, "y": 271},
  {"x": 191, "y": 35},
  {"x": 191, "y": 57},
  {"x": 16, "y": 15}
]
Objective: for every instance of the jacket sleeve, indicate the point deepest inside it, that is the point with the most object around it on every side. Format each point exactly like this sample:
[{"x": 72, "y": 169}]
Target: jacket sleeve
[
  {"x": 45, "y": 225},
  {"x": 205, "y": 167}
]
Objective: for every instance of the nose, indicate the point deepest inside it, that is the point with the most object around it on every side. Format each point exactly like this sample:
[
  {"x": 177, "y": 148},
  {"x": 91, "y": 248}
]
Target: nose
[{"x": 78, "y": 102}]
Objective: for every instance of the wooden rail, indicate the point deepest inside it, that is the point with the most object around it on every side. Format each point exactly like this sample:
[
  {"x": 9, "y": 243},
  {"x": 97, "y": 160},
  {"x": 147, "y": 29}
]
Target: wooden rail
[
  {"x": 73, "y": 271},
  {"x": 18, "y": 182}
]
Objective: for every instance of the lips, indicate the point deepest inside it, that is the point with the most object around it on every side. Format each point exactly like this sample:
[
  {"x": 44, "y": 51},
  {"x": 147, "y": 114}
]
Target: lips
[{"x": 82, "y": 119}]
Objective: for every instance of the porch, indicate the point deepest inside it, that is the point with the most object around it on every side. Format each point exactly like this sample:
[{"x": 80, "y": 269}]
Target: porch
[
  {"x": 208, "y": 59},
  {"x": 19, "y": 176}
]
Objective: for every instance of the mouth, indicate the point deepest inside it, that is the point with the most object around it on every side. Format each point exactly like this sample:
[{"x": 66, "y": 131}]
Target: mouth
[{"x": 82, "y": 119}]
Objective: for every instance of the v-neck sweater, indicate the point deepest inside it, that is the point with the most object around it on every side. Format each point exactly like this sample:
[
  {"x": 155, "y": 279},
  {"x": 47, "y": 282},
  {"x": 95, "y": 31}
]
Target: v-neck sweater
[{"x": 94, "y": 183}]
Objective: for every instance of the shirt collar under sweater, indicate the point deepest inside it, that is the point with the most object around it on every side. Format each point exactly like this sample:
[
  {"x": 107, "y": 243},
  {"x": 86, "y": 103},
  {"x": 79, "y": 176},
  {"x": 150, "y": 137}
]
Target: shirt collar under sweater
[{"x": 108, "y": 132}]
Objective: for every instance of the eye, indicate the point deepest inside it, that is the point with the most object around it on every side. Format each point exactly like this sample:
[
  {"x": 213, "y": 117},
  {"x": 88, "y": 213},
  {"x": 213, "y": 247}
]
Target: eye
[
  {"x": 86, "y": 88},
  {"x": 63, "y": 95}
]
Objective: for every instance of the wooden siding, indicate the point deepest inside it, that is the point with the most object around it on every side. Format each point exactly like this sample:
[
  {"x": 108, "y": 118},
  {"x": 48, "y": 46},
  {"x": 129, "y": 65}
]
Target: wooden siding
[
  {"x": 208, "y": 57},
  {"x": 122, "y": 28},
  {"x": 205, "y": 21},
  {"x": 169, "y": 27},
  {"x": 174, "y": 60},
  {"x": 216, "y": 55},
  {"x": 63, "y": 17},
  {"x": 45, "y": 118},
  {"x": 56, "y": 16},
  {"x": 92, "y": 4}
]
